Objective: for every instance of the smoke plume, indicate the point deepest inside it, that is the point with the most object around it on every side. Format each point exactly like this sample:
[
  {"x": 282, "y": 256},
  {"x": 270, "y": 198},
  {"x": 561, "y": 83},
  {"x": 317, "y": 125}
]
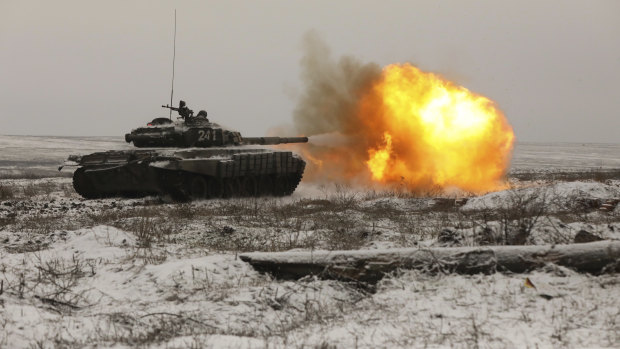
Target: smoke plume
[
  {"x": 332, "y": 89},
  {"x": 328, "y": 107}
]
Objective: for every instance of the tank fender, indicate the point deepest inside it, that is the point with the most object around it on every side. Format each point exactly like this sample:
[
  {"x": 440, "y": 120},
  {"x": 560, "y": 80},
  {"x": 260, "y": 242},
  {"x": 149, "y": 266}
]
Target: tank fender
[
  {"x": 200, "y": 166},
  {"x": 166, "y": 165}
]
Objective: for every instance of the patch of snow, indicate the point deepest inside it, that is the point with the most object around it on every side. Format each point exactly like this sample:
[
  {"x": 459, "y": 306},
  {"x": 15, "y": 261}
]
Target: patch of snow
[{"x": 556, "y": 197}]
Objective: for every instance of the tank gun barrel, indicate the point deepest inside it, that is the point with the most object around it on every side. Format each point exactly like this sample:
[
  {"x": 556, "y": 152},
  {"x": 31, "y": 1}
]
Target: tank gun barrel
[{"x": 274, "y": 140}]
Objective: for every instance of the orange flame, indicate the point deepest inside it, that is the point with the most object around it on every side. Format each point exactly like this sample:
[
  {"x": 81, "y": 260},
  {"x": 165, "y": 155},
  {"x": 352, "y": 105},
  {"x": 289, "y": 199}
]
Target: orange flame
[
  {"x": 434, "y": 132},
  {"x": 416, "y": 129},
  {"x": 378, "y": 161}
]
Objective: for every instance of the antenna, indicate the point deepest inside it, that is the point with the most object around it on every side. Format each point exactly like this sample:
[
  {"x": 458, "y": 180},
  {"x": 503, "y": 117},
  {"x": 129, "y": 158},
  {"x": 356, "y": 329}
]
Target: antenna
[{"x": 174, "y": 54}]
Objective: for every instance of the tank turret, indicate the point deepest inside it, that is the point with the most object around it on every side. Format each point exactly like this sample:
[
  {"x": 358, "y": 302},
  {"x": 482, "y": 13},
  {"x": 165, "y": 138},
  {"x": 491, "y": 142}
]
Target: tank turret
[{"x": 195, "y": 131}]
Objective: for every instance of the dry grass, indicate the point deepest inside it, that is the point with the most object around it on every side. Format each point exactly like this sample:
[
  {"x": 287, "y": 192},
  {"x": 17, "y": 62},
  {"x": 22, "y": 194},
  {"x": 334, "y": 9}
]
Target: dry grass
[
  {"x": 6, "y": 192},
  {"x": 34, "y": 175},
  {"x": 51, "y": 282},
  {"x": 595, "y": 174},
  {"x": 341, "y": 219},
  {"x": 25, "y": 190}
]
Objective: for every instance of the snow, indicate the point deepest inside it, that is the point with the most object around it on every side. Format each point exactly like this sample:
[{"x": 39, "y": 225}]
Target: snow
[
  {"x": 218, "y": 291},
  {"x": 201, "y": 298},
  {"x": 111, "y": 279},
  {"x": 540, "y": 156},
  {"x": 160, "y": 164},
  {"x": 78, "y": 273},
  {"x": 558, "y": 196}
]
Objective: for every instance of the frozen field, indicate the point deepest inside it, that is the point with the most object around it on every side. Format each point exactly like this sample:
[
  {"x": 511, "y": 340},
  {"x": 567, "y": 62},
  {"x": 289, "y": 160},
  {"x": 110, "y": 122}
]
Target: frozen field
[
  {"x": 566, "y": 156},
  {"x": 150, "y": 273},
  {"x": 40, "y": 155}
]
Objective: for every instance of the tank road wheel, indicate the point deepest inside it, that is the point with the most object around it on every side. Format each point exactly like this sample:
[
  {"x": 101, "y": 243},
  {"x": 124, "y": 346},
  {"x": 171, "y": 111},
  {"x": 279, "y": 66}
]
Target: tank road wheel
[
  {"x": 237, "y": 186},
  {"x": 172, "y": 183},
  {"x": 281, "y": 186},
  {"x": 229, "y": 188},
  {"x": 197, "y": 187},
  {"x": 249, "y": 186},
  {"x": 215, "y": 188},
  {"x": 83, "y": 185},
  {"x": 265, "y": 186}
]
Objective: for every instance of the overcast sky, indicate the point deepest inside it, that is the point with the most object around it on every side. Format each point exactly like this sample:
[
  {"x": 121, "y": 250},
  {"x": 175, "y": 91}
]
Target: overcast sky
[{"x": 104, "y": 67}]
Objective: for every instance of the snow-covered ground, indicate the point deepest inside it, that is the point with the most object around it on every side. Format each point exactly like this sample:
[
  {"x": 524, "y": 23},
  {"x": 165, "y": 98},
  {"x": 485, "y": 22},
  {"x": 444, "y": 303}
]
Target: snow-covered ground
[
  {"x": 96, "y": 286},
  {"x": 41, "y": 156},
  {"x": 146, "y": 272},
  {"x": 565, "y": 155}
]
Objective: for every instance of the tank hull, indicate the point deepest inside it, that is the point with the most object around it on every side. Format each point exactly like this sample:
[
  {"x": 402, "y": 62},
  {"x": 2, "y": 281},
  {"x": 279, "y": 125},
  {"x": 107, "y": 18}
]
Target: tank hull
[{"x": 195, "y": 173}]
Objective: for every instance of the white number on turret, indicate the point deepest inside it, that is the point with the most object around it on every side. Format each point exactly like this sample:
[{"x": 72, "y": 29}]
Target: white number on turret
[{"x": 204, "y": 135}]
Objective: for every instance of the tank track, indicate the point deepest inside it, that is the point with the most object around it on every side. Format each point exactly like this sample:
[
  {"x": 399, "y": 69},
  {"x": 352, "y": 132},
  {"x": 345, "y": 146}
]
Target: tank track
[
  {"x": 83, "y": 185},
  {"x": 183, "y": 186},
  {"x": 197, "y": 187},
  {"x": 86, "y": 185}
]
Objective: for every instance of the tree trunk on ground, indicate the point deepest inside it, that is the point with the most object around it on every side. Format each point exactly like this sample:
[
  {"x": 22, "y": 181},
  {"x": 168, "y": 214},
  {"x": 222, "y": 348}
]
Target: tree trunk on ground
[{"x": 371, "y": 265}]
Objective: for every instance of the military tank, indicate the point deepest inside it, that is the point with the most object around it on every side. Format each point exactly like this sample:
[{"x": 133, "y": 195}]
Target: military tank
[{"x": 187, "y": 159}]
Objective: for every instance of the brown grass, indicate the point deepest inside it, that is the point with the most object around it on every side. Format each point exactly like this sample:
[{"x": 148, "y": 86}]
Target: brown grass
[
  {"x": 6, "y": 192},
  {"x": 344, "y": 219}
]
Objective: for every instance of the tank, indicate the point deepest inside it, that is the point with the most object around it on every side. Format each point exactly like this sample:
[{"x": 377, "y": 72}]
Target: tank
[{"x": 187, "y": 159}]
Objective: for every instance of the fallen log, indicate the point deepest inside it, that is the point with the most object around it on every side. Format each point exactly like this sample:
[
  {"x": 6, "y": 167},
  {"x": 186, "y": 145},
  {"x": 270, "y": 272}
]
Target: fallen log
[{"x": 371, "y": 265}]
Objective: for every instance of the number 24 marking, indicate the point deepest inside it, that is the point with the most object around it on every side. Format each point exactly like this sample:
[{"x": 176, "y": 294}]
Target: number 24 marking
[{"x": 204, "y": 135}]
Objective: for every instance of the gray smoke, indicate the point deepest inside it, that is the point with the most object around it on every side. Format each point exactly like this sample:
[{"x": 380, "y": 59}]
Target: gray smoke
[{"x": 332, "y": 89}]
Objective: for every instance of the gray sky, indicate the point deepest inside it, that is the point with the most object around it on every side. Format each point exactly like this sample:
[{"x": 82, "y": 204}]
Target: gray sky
[{"x": 104, "y": 67}]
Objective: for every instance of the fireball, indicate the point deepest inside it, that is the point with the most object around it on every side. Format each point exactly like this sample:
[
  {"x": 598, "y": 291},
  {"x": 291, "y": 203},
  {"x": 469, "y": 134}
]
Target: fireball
[
  {"x": 427, "y": 132},
  {"x": 401, "y": 127}
]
